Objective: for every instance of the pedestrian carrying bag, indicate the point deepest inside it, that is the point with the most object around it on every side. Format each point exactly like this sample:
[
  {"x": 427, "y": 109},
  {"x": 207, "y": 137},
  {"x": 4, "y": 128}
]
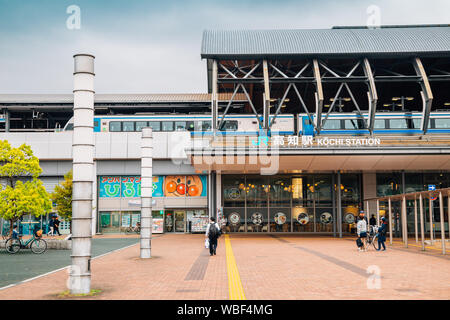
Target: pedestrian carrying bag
[{"x": 213, "y": 231}]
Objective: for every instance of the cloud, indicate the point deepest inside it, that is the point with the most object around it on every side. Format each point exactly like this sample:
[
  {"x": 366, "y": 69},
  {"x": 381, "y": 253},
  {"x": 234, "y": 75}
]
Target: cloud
[{"x": 147, "y": 48}]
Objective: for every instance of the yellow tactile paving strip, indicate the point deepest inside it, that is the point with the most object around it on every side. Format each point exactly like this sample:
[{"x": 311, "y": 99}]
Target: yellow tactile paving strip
[{"x": 235, "y": 289}]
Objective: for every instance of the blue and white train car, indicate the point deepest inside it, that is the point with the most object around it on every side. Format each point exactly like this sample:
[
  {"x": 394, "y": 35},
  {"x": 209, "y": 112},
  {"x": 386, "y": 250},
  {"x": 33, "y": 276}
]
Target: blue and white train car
[
  {"x": 196, "y": 124},
  {"x": 386, "y": 123}
]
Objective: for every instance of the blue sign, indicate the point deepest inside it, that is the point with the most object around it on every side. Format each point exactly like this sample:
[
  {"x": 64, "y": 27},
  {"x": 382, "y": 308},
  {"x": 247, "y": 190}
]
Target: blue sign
[{"x": 431, "y": 187}]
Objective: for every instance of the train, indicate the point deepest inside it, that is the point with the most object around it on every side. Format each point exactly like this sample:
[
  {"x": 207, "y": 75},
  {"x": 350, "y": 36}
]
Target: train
[{"x": 392, "y": 123}]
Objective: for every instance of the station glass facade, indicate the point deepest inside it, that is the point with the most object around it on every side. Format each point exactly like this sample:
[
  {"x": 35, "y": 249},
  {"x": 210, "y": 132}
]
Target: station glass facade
[{"x": 287, "y": 203}]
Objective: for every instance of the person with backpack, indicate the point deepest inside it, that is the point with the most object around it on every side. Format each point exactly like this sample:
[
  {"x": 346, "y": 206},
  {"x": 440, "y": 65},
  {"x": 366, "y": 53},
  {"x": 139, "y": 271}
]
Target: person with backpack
[
  {"x": 382, "y": 234},
  {"x": 212, "y": 234},
  {"x": 361, "y": 230}
]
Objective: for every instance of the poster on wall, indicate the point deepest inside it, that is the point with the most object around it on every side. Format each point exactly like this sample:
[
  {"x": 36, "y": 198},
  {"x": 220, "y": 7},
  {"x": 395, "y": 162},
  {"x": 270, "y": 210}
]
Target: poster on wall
[
  {"x": 185, "y": 186},
  {"x": 127, "y": 186},
  {"x": 158, "y": 225},
  {"x": 126, "y": 220}
]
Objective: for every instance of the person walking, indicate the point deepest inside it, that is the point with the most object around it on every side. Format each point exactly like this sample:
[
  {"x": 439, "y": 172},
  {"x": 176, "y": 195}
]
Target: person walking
[
  {"x": 361, "y": 230},
  {"x": 56, "y": 226},
  {"x": 212, "y": 234},
  {"x": 373, "y": 220},
  {"x": 382, "y": 234},
  {"x": 51, "y": 224}
]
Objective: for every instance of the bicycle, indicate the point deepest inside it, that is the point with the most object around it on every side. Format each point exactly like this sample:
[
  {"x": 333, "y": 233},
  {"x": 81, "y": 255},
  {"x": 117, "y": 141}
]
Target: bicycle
[
  {"x": 36, "y": 244},
  {"x": 371, "y": 238},
  {"x": 136, "y": 229}
]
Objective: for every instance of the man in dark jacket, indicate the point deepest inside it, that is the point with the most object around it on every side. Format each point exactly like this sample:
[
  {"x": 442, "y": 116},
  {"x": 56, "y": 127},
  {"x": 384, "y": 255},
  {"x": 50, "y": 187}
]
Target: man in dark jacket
[
  {"x": 212, "y": 233},
  {"x": 382, "y": 230},
  {"x": 56, "y": 226}
]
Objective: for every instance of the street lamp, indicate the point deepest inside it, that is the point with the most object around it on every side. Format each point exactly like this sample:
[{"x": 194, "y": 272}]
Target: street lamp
[{"x": 403, "y": 99}]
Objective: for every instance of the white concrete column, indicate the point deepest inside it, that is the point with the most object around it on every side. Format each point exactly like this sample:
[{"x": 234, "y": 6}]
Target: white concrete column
[
  {"x": 146, "y": 192},
  {"x": 441, "y": 211},
  {"x": 83, "y": 173},
  {"x": 415, "y": 221},
  {"x": 94, "y": 197},
  {"x": 218, "y": 190},
  {"x": 430, "y": 212},
  {"x": 390, "y": 220},
  {"x": 405, "y": 225},
  {"x": 422, "y": 222}
]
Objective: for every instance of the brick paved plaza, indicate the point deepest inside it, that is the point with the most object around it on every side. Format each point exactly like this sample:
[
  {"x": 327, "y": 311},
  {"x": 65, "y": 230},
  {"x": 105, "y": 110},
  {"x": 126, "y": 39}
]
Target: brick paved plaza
[{"x": 256, "y": 267}]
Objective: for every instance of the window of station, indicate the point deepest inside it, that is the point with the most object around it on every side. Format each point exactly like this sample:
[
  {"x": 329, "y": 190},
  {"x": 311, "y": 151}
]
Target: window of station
[
  {"x": 167, "y": 126},
  {"x": 155, "y": 125},
  {"x": 128, "y": 126},
  {"x": 115, "y": 126}
]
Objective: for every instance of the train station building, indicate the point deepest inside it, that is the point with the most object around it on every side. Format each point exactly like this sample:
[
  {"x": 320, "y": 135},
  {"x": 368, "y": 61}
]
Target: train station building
[{"x": 298, "y": 132}]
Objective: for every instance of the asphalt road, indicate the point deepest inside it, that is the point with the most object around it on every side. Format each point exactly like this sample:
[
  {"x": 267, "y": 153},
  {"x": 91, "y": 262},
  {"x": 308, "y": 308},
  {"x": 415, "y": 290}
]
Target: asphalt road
[{"x": 24, "y": 264}]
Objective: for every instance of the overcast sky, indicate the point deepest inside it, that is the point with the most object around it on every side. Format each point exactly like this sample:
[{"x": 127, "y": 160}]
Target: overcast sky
[{"x": 144, "y": 46}]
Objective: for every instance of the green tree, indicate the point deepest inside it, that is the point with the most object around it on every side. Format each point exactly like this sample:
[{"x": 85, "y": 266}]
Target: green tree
[
  {"x": 18, "y": 198},
  {"x": 62, "y": 197}
]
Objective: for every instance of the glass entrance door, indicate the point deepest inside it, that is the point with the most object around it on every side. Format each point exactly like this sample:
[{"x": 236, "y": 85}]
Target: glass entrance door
[{"x": 180, "y": 220}]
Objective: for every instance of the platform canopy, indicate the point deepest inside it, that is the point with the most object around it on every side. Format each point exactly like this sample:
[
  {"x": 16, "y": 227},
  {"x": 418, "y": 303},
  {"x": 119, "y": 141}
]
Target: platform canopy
[{"x": 431, "y": 40}]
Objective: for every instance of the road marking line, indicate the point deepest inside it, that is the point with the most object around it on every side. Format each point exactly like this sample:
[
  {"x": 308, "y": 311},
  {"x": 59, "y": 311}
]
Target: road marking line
[
  {"x": 235, "y": 289},
  {"x": 54, "y": 271}
]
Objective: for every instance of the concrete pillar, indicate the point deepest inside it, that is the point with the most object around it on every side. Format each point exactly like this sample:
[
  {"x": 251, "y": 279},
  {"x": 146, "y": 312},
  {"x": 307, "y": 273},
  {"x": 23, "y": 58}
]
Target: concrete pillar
[
  {"x": 214, "y": 98},
  {"x": 422, "y": 222},
  {"x": 339, "y": 204},
  {"x": 404, "y": 220},
  {"x": 146, "y": 192},
  {"x": 83, "y": 155},
  {"x": 415, "y": 221},
  {"x": 441, "y": 211},
  {"x": 430, "y": 212},
  {"x": 390, "y": 220},
  {"x": 218, "y": 191},
  {"x": 7, "y": 121},
  {"x": 378, "y": 212},
  {"x": 94, "y": 198}
]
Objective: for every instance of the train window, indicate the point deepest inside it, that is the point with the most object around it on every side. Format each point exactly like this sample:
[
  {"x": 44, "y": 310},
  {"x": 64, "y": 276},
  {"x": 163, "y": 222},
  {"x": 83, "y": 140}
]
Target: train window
[
  {"x": 180, "y": 125},
  {"x": 353, "y": 124},
  {"x": 332, "y": 124},
  {"x": 128, "y": 126},
  {"x": 206, "y": 125},
  {"x": 115, "y": 126},
  {"x": 167, "y": 126},
  {"x": 140, "y": 125},
  {"x": 442, "y": 123},
  {"x": 230, "y": 125},
  {"x": 379, "y": 124},
  {"x": 69, "y": 127},
  {"x": 398, "y": 124},
  {"x": 95, "y": 123},
  {"x": 156, "y": 126},
  {"x": 415, "y": 123},
  {"x": 190, "y": 126}
]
